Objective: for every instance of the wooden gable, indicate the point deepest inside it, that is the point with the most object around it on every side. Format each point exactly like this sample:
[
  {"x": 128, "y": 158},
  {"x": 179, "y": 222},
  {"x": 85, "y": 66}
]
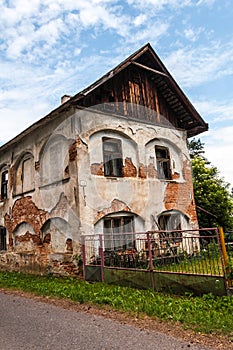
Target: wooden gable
[{"x": 143, "y": 80}]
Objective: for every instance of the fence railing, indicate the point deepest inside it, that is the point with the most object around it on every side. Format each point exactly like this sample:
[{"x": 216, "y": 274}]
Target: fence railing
[{"x": 187, "y": 251}]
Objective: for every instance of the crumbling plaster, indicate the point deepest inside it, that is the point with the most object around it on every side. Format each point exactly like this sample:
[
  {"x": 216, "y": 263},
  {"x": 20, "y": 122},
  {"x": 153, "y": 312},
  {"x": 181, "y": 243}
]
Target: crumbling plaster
[
  {"x": 84, "y": 196},
  {"x": 143, "y": 192}
]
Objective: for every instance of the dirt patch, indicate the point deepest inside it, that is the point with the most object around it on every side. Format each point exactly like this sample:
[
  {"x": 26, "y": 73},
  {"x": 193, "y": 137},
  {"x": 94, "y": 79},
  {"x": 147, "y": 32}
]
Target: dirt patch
[{"x": 142, "y": 322}]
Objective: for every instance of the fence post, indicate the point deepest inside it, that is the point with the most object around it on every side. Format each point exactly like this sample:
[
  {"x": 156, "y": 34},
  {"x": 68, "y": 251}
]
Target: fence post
[
  {"x": 225, "y": 256},
  {"x": 84, "y": 257},
  {"x": 101, "y": 257},
  {"x": 151, "y": 267}
]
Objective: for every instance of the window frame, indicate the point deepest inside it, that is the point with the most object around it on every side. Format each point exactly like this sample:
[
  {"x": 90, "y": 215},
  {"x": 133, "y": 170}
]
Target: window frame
[
  {"x": 163, "y": 163},
  {"x": 117, "y": 235},
  {"x": 3, "y": 246},
  {"x": 113, "y": 160},
  {"x": 54, "y": 161},
  {"x": 21, "y": 185},
  {"x": 166, "y": 221},
  {"x": 4, "y": 184},
  {"x": 28, "y": 159}
]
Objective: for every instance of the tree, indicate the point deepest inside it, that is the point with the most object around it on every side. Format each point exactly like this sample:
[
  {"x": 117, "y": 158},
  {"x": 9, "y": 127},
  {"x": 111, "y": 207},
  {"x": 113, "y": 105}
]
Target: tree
[
  {"x": 212, "y": 196},
  {"x": 196, "y": 148}
]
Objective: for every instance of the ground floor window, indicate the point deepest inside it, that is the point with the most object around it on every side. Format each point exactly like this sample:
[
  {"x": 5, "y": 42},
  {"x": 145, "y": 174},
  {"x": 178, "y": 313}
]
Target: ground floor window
[
  {"x": 170, "y": 221},
  {"x": 2, "y": 238},
  {"x": 119, "y": 233}
]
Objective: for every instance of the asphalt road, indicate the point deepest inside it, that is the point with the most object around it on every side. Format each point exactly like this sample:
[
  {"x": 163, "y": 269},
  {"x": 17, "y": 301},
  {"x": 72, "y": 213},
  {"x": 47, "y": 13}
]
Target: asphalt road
[{"x": 29, "y": 324}]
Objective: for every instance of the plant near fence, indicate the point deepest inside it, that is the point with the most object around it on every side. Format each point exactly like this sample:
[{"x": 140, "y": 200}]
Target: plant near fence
[{"x": 168, "y": 256}]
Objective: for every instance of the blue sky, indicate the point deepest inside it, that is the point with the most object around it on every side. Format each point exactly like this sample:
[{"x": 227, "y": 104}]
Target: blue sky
[{"x": 49, "y": 48}]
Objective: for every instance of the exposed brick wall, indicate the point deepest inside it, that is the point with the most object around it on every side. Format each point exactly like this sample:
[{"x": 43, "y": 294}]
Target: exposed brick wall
[
  {"x": 180, "y": 195},
  {"x": 129, "y": 170},
  {"x": 30, "y": 252},
  {"x": 24, "y": 210},
  {"x": 72, "y": 152},
  {"x": 97, "y": 169},
  {"x": 28, "y": 237},
  {"x": 142, "y": 171},
  {"x": 116, "y": 206},
  {"x": 175, "y": 176},
  {"x": 152, "y": 172}
]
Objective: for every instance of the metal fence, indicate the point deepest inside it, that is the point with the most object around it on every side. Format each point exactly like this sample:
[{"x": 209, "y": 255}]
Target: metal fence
[{"x": 187, "y": 251}]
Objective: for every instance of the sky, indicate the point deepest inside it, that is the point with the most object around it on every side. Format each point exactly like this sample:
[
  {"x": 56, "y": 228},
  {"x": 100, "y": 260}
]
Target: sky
[{"x": 49, "y": 48}]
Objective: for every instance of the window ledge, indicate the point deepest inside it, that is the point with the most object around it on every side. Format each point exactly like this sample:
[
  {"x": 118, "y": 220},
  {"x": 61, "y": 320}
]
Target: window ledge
[{"x": 169, "y": 180}]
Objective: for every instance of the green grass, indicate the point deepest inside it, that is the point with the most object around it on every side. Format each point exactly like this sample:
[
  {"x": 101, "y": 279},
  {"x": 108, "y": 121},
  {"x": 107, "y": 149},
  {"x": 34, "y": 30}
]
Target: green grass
[
  {"x": 206, "y": 314},
  {"x": 198, "y": 265}
]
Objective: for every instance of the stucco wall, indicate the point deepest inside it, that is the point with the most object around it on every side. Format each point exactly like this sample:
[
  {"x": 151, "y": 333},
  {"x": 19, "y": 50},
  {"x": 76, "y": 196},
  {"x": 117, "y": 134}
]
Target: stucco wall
[{"x": 70, "y": 195}]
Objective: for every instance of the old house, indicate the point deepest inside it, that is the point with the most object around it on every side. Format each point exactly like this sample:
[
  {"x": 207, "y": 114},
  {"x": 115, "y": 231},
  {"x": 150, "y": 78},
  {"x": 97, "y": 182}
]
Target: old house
[{"x": 113, "y": 158}]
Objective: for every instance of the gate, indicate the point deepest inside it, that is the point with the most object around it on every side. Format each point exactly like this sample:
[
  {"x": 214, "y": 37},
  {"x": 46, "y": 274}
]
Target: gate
[{"x": 173, "y": 261}]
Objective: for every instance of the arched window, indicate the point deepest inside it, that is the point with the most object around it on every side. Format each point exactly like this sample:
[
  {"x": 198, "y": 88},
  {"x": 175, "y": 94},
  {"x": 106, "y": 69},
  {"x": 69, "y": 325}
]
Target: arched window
[
  {"x": 112, "y": 157},
  {"x": 173, "y": 222},
  {"x": 59, "y": 234},
  {"x": 113, "y": 154},
  {"x": 54, "y": 160},
  {"x": 119, "y": 232},
  {"x": 24, "y": 181},
  {"x": 163, "y": 162}
]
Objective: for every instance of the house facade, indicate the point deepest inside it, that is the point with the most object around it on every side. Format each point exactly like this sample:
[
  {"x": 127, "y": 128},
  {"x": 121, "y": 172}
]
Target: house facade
[{"x": 112, "y": 159}]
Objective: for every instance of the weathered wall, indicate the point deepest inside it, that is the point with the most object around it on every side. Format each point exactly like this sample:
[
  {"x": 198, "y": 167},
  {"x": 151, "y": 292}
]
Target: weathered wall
[
  {"x": 70, "y": 195},
  {"x": 139, "y": 190},
  {"x": 36, "y": 243}
]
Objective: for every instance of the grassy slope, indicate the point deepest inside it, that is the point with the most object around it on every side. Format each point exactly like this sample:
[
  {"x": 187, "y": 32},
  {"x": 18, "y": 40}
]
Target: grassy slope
[{"x": 206, "y": 314}]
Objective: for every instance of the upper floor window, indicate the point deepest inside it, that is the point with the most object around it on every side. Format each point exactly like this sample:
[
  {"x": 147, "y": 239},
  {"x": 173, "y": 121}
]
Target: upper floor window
[
  {"x": 112, "y": 157},
  {"x": 54, "y": 160},
  {"x": 24, "y": 181},
  {"x": 4, "y": 184},
  {"x": 163, "y": 162}
]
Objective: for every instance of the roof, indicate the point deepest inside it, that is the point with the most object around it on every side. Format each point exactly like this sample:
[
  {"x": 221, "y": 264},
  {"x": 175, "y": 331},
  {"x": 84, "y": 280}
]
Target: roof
[{"x": 145, "y": 58}]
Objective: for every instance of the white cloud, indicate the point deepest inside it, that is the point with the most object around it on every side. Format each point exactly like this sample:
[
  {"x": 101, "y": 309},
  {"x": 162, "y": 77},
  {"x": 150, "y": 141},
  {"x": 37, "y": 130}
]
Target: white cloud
[
  {"x": 219, "y": 111},
  {"x": 218, "y": 149},
  {"x": 206, "y": 2},
  {"x": 160, "y": 4},
  {"x": 195, "y": 65},
  {"x": 47, "y": 49},
  {"x": 193, "y": 34},
  {"x": 13, "y": 125},
  {"x": 140, "y": 19}
]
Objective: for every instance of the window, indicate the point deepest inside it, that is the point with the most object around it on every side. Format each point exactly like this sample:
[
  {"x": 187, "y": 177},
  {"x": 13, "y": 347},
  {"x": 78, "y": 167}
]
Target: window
[
  {"x": 112, "y": 156},
  {"x": 171, "y": 222},
  {"x": 4, "y": 184},
  {"x": 24, "y": 179},
  {"x": 116, "y": 233},
  {"x": 54, "y": 160},
  {"x": 27, "y": 175},
  {"x": 163, "y": 162},
  {"x": 2, "y": 238}
]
